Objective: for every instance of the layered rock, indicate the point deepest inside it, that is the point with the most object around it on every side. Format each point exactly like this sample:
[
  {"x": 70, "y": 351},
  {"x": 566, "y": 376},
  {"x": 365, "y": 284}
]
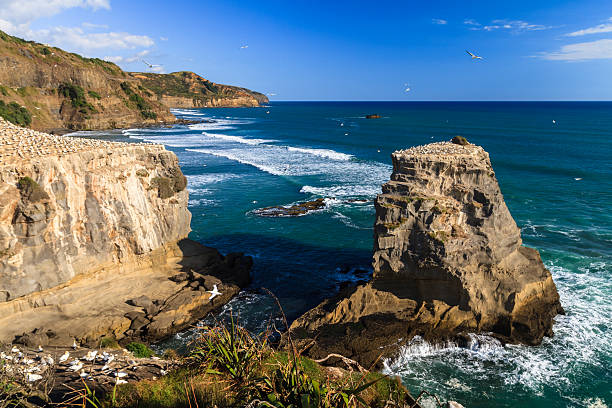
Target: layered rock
[
  {"x": 85, "y": 227},
  {"x": 448, "y": 259}
]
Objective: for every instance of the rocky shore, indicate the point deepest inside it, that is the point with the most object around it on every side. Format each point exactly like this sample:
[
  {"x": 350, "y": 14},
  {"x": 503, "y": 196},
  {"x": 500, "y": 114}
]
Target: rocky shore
[
  {"x": 448, "y": 261},
  {"x": 93, "y": 242}
]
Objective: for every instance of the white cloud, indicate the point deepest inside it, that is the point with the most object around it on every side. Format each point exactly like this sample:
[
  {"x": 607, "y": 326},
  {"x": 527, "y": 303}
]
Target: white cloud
[
  {"x": 471, "y": 22},
  {"x": 600, "y": 49},
  {"x": 163, "y": 38},
  {"x": 16, "y": 17},
  {"x": 118, "y": 59},
  {"x": 602, "y": 28},
  {"x": 514, "y": 25},
  {"x": 94, "y": 26},
  {"x": 20, "y": 12},
  {"x": 439, "y": 21}
]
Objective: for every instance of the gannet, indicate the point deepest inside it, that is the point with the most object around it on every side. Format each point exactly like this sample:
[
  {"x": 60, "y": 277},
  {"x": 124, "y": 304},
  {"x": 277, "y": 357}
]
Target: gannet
[
  {"x": 474, "y": 57},
  {"x": 214, "y": 292},
  {"x": 74, "y": 344},
  {"x": 91, "y": 355},
  {"x": 34, "y": 377},
  {"x": 64, "y": 357}
]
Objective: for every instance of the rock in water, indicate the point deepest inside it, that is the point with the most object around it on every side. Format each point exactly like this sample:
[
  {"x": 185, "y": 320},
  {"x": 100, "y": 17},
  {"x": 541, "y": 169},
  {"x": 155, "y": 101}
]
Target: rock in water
[{"x": 448, "y": 260}]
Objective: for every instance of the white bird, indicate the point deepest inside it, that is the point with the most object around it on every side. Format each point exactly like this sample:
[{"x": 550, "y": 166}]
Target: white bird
[
  {"x": 150, "y": 65},
  {"x": 74, "y": 344},
  {"x": 163, "y": 372},
  {"x": 554, "y": 122},
  {"x": 40, "y": 349},
  {"x": 83, "y": 374},
  {"x": 105, "y": 367},
  {"x": 91, "y": 355},
  {"x": 64, "y": 357},
  {"x": 48, "y": 360},
  {"x": 34, "y": 377},
  {"x": 120, "y": 381},
  {"x": 121, "y": 374},
  {"x": 474, "y": 57},
  {"x": 214, "y": 292},
  {"x": 76, "y": 365},
  {"x": 577, "y": 178},
  {"x": 244, "y": 47},
  {"x": 14, "y": 350}
]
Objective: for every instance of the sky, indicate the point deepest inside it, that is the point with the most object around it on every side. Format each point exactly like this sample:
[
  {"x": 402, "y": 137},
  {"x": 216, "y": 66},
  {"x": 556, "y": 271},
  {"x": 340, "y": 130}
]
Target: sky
[{"x": 345, "y": 50}]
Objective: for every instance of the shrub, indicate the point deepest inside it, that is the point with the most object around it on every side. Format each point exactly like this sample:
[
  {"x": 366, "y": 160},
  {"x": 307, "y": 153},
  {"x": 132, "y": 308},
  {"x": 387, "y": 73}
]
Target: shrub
[
  {"x": 15, "y": 113},
  {"x": 164, "y": 187},
  {"x": 109, "y": 343},
  {"x": 45, "y": 51},
  {"x": 146, "y": 111},
  {"x": 4, "y": 90},
  {"x": 30, "y": 190},
  {"x": 94, "y": 95},
  {"x": 142, "y": 173},
  {"x": 76, "y": 94},
  {"x": 140, "y": 350},
  {"x": 460, "y": 140}
]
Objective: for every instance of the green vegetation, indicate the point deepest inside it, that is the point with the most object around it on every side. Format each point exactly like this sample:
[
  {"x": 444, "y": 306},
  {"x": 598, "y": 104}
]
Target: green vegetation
[
  {"x": 4, "y": 90},
  {"x": 142, "y": 173},
  {"x": 146, "y": 111},
  {"x": 76, "y": 94},
  {"x": 15, "y": 113},
  {"x": 167, "y": 187},
  {"x": 182, "y": 84},
  {"x": 229, "y": 367},
  {"x": 140, "y": 350},
  {"x": 109, "y": 343},
  {"x": 44, "y": 51},
  {"x": 460, "y": 140},
  {"x": 22, "y": 91},
  {"x": 30, "y": 190},
  {"x": 439, "y": 236},
  {"x": 94, "y": 95}
]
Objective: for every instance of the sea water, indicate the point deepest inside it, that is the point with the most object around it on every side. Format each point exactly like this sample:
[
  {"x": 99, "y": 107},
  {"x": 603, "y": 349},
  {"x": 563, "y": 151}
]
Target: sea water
[{"x": 554, "y": 165}]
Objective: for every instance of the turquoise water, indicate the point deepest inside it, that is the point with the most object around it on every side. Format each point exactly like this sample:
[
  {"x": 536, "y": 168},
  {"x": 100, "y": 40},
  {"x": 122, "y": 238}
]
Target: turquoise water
[{"x": 556, "y": 179}]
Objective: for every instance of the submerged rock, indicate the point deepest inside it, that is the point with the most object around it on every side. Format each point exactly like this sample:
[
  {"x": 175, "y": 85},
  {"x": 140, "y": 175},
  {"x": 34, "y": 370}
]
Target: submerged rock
[
  {"x": 448, "y": 259},
  {"x": 291, "y": 211},
  {"x": 373, "y": 116}
]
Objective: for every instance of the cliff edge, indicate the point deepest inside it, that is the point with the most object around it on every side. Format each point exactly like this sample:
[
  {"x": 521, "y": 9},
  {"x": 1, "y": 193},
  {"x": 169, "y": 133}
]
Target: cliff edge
[
  {"x": 448, "y": 260},
  {"x": 93, "y": 242}
]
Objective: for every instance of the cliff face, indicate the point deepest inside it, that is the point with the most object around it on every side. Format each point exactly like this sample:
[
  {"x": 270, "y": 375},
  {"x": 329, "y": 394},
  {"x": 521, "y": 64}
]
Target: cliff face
[
  {"x": 62, "y": 90},
  {"x": 189, "y": 90},
  {"x": 448, "y": 260},
  {"x": 85, "y": 226}
]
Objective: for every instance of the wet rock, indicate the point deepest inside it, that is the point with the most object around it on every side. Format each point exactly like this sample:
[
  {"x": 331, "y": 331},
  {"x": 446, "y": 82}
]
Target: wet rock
[
  {"x": 373, "y": 116},
  {"x": 291, "y": 211}
]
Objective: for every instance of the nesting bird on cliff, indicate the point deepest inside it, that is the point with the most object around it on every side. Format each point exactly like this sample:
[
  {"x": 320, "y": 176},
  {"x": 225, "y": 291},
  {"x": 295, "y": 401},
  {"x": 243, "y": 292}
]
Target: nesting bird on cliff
[
  {"x": 64, "y": 357},
  {"x": 213, "y": 293}
]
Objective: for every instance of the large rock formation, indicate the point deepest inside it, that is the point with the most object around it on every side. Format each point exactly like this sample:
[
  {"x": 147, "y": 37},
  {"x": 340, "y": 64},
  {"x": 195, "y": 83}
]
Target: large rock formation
[
  {"x": 63, "y": 90},
  {"x": 93, "y": 241},
  {"x": 448, "y": 259}
]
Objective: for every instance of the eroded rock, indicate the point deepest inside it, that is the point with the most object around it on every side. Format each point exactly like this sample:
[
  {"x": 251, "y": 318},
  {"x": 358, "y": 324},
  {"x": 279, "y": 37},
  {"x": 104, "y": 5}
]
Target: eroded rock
[{"x": 448, "y": 259}]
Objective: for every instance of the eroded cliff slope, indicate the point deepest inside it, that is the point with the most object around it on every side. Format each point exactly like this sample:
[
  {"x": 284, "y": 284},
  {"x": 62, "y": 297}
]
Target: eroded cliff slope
[
  {"x": 448, "y": 259},
  {"x": 62, "y": 90},
  {"x": 88, "y": 226}
]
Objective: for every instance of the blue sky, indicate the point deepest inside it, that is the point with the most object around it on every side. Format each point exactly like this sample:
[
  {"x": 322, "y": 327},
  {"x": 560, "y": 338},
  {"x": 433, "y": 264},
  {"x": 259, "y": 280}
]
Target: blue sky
[{"x": 345, "y": 50}]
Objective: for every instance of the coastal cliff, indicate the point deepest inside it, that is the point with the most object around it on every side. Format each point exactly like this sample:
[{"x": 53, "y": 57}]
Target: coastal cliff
[
  {"x": 188, "y": 90},
  {"x": 59, "y": 90},
  {"x": 93, "y": 242},
  {"x": 448, "y": 260}
]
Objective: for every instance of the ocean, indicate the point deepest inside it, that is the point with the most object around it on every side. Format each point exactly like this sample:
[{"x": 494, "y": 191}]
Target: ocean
[{"x": 554, "y": 165}]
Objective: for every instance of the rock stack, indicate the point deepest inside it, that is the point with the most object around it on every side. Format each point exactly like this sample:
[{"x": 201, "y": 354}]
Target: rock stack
[{"x": 448, "y": 260}]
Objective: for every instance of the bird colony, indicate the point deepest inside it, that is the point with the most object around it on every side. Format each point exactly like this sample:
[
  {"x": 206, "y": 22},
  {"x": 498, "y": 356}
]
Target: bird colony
[{"x": 19, "y": 144}]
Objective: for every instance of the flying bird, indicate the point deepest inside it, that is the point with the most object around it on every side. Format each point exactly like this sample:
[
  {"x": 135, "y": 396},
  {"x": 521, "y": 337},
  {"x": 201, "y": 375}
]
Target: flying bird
[
  {"x": 244, "y": 47},
  {"x": 474, "y": 57},
  {"x": 213, "y": 293},
  {"x": 151, "y": 66}
]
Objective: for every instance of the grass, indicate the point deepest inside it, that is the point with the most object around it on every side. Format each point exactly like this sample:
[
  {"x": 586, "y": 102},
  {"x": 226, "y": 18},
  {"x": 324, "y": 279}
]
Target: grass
[
  {"x": 109, "y": 343},
  {"x": 94, "y": 95},
  {"x": 460, "y": 140},
  {"x": 15, "y": 113},
  {"x": 140, "y": 350}
]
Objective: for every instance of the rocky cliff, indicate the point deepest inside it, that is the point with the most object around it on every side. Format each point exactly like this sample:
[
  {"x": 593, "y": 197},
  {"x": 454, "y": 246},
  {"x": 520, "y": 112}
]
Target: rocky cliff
[
  {"x": 93, "y": 238},
  {"x": 62, "y": 90},
  {"x": 448, "y": 260},
  {"x": 189, "y": 90}
]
